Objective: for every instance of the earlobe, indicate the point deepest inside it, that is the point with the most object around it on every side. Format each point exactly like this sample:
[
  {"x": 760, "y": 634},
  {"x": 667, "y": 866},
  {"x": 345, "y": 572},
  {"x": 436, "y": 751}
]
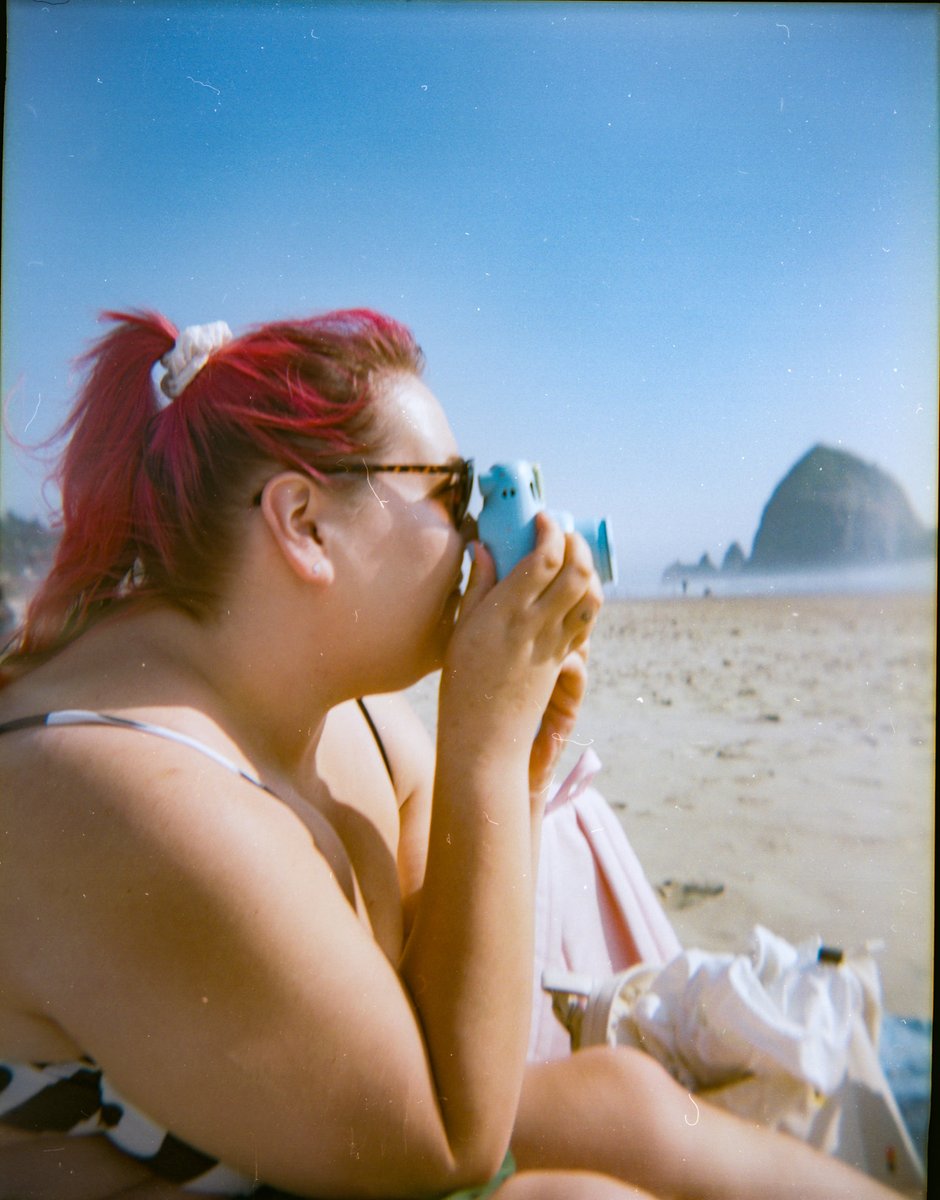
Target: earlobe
[
  {"x": 290, "y": 505},
  {"x": 317, "y": 568}
]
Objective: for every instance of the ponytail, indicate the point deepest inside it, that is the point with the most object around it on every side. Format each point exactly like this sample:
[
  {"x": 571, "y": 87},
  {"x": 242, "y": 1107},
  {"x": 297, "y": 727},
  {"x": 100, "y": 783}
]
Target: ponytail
[{"x": 97, "y": 476}]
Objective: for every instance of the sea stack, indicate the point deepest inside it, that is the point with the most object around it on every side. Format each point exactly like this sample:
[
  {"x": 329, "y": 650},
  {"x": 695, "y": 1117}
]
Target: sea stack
[{"x": 832, "y": 509}]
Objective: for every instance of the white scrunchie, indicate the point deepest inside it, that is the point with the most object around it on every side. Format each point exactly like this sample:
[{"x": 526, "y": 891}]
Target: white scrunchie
[{"x": 190, "y": 354}]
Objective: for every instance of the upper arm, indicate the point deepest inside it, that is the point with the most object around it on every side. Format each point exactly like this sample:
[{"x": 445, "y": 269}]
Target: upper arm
[{"x": 191, "y": 938}]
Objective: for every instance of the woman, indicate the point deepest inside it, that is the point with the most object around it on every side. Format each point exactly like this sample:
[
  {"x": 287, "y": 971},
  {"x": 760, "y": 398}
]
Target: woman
[{"x": 213, "y": 903}]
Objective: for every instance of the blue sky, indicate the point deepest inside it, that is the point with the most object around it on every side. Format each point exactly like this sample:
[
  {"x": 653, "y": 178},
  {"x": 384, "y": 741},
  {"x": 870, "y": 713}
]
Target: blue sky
[{"x": 662, "y": 249}]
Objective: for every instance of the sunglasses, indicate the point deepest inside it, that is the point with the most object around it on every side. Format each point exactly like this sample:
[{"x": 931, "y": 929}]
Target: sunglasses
[{"x": 459, "y": 488}]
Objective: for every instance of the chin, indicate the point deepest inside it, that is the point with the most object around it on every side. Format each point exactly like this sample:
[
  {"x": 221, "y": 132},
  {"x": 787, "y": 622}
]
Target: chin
[
  {"x": 407, "y": 675},
  {"x": 427, "y": 654},
  {"x": 432, "y": 659}
]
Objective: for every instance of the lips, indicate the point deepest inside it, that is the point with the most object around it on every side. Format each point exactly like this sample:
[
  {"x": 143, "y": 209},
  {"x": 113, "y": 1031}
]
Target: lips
[
  {"x": 458, "y": 579},
  {"x": 452, "y": 604}
]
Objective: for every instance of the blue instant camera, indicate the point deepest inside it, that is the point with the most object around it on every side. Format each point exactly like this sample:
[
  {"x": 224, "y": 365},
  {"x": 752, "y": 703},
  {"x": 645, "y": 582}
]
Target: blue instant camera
[{"x": 512, "y": 495}]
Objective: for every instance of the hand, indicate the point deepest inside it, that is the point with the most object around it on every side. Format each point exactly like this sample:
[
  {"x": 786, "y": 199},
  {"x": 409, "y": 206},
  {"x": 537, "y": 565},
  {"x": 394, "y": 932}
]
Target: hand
[
  {"x": 558, "y": 722},
  {"x": 513, "y": 639}
]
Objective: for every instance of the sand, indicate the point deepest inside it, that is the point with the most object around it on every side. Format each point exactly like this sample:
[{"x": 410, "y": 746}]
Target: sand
[{"x": 773, "y": 759}]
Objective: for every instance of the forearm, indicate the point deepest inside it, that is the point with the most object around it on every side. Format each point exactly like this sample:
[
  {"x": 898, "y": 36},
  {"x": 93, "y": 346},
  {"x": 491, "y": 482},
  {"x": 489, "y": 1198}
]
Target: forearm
[{"x": 468, "y": 961}]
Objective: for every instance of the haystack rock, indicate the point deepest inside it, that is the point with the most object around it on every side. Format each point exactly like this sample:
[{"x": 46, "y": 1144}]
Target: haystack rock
[{"x": 832, "y": 509}]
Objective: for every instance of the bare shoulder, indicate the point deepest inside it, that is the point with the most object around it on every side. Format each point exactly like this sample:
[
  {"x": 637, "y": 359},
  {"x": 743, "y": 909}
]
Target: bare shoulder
[
  {"x": 103, "y": 778},
  {"x": 85, "y": 803}
]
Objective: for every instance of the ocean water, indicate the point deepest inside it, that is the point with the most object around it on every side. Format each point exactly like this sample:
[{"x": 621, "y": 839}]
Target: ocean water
[
  {"x": 905, "y": 1053},
  {"x": 917, "y": 576}
]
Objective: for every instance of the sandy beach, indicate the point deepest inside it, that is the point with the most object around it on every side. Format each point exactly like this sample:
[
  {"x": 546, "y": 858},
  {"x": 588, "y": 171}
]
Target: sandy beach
[{"x": 772, "y": 758}]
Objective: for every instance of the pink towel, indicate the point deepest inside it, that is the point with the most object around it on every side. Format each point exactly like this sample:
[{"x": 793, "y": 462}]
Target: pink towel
[{"x": 595, "y": 912}]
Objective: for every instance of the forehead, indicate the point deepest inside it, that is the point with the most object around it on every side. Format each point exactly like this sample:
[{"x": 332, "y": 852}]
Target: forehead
[{"x": 416, "y": 422}]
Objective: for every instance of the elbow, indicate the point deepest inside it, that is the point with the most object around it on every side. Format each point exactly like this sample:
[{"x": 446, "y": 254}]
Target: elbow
[
  {"x": 480, "y": 1168},
  {"x": 473, "y": 1168},
  {"x": 457, "y": 1162}
]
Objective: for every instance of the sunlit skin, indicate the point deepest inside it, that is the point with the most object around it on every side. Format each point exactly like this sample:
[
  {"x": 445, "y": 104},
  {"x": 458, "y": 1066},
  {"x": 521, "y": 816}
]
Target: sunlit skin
[{"x": 331, "y": 987}]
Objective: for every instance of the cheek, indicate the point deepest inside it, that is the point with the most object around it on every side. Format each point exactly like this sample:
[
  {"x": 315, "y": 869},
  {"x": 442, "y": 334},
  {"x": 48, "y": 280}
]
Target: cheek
[
  {"x": 436, "y": 578},
  {"x": 420, "y": 553},
  {"x": 435, "y": 545}
]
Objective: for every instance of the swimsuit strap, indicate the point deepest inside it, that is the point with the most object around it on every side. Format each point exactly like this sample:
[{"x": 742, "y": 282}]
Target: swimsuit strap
[
  {"x": 375, "y": 734},
  {"x": 80, "y": 716}
]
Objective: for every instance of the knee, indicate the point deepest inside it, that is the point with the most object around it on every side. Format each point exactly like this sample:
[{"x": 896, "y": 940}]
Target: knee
[
  {"x": 620, "y": 1075},
  {"x": 611, "y": 1109},
  {"x": 624, "y": 1067}
]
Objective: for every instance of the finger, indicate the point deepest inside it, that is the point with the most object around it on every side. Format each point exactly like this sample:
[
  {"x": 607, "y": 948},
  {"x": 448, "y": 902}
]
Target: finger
[
  {"x": 583, "y": 648},
  {"x": 570, "y": 686},
  {"x": 574, "y": 576},
  {"x": 569, "y": 690},
  {"x": 579, "y": 622},
  {"x": 481, "y": 580},
  {"x": 538, "y": 568},
  {"x": 573, "y": 668},
  {"x": 574, "y": 673},
  {"x": 581, "y": 618},
  {"x": 576, "y": 594},
  {"x": 558, "y": 722}
]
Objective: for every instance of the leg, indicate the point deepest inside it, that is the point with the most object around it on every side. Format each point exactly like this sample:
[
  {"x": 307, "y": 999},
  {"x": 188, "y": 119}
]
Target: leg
[
  {"x": 617, "y": 1111},
  {"x": 565, "y": 1185}
]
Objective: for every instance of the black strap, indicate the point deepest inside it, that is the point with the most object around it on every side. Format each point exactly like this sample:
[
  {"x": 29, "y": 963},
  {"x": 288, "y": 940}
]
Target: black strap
[
  {"x": 378, "y": 740},
  {"x": 24, "y": 723}
]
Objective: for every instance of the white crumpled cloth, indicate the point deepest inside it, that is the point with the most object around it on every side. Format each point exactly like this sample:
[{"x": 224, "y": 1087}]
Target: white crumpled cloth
[{"x": 714, "y": 1018}]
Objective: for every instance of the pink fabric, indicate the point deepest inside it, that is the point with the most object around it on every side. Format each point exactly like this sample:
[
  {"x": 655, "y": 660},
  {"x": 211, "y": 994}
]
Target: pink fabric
[{"x": 595, "y": 912}]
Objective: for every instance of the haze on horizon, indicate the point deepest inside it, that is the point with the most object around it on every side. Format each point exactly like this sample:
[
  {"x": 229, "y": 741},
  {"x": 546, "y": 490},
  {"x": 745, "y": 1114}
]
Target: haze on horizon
[{"x": 661, "y": 249}]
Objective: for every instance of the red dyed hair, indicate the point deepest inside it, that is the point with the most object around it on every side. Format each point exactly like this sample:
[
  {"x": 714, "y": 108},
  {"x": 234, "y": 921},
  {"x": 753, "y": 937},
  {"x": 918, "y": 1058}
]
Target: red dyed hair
[{"x": 149, "y": 490}]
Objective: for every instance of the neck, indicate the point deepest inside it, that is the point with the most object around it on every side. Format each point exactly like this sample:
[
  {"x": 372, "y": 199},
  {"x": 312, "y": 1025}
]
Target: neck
[
  {"x": 270, "y": 692},
  {"x": 275, "y": 690}
]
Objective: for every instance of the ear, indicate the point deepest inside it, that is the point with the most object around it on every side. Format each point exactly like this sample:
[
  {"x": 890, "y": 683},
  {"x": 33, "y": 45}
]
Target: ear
[{"x": 291, "y": 504}]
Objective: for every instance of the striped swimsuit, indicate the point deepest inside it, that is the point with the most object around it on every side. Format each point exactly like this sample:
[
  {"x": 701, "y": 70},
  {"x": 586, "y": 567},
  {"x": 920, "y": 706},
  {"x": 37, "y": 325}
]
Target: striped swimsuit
[{"x": 74, "y": 1098}]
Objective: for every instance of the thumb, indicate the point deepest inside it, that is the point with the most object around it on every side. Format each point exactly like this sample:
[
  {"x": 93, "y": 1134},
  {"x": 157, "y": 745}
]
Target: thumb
[{"x": 482, "y": 577}]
